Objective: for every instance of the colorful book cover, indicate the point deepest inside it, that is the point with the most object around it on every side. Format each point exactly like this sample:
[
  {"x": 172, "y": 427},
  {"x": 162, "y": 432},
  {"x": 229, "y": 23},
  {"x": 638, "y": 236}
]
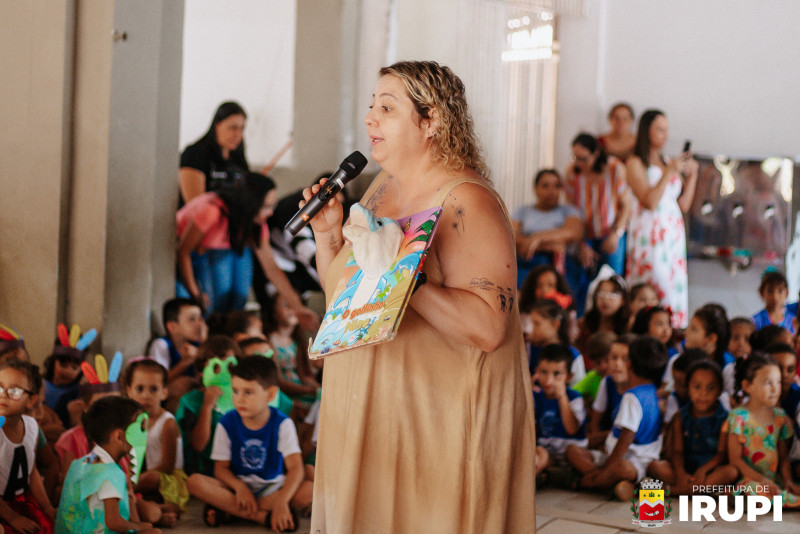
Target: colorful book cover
[{"x": 364, "y": 311}]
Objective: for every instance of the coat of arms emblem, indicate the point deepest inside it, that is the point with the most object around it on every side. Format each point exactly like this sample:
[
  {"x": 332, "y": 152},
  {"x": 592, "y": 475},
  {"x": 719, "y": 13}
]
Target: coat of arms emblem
[{"x": 653, "y": 505}]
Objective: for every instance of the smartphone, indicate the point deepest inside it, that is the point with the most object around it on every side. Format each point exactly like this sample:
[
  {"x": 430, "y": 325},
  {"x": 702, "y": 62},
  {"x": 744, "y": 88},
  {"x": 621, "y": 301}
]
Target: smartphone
[{"x": 687, "y": 146}]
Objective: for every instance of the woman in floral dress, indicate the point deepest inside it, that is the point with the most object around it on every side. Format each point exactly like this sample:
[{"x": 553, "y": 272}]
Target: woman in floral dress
[{"x": 663, "y": 190}]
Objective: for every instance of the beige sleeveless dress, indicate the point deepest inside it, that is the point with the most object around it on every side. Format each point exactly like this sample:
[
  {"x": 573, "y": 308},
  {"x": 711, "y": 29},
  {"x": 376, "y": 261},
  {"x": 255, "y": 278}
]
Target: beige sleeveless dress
[{"x": 425, "y": 435}]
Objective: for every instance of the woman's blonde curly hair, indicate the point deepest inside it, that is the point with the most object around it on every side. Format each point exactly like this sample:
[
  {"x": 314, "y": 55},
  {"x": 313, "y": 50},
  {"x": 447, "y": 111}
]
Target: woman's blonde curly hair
[{"x": 434, "y": 87}]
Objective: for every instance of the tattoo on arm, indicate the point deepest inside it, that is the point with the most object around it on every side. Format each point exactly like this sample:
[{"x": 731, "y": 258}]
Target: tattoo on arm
[
  {"x": 505, "y": 295},
  {"x": 458, "y": 216},
  {"x": 335, "y": 243}
]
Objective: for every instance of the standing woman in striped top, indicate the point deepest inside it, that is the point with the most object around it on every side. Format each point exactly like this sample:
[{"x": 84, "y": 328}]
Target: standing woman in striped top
[{"x": 595, "y": 184}]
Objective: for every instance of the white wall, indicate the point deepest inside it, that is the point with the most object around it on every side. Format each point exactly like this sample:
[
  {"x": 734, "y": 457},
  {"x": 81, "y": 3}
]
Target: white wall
[
  {"x": 243, "y": 51},
  {"x": 724, "y": 71}
]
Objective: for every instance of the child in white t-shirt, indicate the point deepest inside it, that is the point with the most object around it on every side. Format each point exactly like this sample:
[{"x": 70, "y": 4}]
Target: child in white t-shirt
[{"x": 635, "y": 439}]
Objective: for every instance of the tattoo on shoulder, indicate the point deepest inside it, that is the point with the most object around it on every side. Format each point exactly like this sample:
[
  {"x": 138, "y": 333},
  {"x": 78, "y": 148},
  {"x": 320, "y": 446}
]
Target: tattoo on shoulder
[
  {"x": 377, "y": 198},
  {"x": 458, "y": 215},
  {"x": 505, "y": 295}
]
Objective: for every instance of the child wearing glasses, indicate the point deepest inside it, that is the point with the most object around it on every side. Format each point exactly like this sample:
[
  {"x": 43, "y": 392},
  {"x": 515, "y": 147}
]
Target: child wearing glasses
[
  {"x": 24, "y": 506},
  {"x": 608, "y": 312}
]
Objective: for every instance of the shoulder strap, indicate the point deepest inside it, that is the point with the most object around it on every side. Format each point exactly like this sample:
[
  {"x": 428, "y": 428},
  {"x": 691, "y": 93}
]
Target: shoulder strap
[{"x": 449, "y": 186}]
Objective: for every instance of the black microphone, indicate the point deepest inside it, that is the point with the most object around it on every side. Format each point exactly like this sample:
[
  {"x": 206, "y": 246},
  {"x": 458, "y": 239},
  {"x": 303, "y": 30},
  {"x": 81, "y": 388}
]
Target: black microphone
[{"x": 349, "y": 169}]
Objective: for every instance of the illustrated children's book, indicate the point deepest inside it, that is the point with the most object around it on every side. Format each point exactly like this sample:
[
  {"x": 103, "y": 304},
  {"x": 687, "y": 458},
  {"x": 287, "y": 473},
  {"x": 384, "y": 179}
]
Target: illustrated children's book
[{"x": 377, "y": 281}]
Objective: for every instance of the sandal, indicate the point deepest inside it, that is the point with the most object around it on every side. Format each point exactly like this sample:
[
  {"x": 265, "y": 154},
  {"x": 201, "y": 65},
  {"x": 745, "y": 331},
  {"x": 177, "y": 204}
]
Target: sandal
[{"x": 219, "y": 516}]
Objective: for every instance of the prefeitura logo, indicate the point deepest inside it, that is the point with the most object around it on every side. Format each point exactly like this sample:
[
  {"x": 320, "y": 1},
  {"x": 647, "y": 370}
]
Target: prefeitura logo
[{"x": 651, "y": 504}]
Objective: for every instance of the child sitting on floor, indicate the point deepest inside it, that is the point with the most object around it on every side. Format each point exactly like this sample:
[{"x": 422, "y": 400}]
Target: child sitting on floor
[
  {"x": 12, "y": 346},
  {"x": 25, "y": 506},
  {"x": 185, "y": 329},
  {"x": 97, "y": 496},
  {"x": 609, "y": 311},
  {"x": 164, "y": 480},
  {"x": 243, "y": 324},
  {"x": 254, "y": 446},
  {"x": 657, "y": 322},
  {"x": 759, "y": 432},
  {"x": 609, "y": 394},
  {"x": 761, "y": 339},
  {"x": 635, "y": 439},
  {"x": 708, "y": 331},
  {"x": 598, "y": 348},
  {"x": 680, "y": 393},
  {"x": 550, "y": 322},
  {"x": 642, "y": 295},
  {"x": 786, "y": 359},
  {"x": 199, "y": 410},
  {"x": 699, "y": 447},
  {"x": 774, "y": 289},
  {"x": 295, "y": 376},
  {"x": 741, "y": 329},
  {"x": 62, "y": 376},
  {"x": 559, "y": 409}
]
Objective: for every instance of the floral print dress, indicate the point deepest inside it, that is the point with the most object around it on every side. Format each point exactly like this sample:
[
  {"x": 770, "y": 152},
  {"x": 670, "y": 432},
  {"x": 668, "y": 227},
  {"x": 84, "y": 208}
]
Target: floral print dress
[
  {"x": 657, "y": 248},
  {"x": 760, "y": 447}
]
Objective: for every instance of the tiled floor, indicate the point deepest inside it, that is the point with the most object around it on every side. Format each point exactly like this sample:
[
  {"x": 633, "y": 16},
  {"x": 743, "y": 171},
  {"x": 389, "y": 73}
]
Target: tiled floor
[{"x": 564, "y": 512}]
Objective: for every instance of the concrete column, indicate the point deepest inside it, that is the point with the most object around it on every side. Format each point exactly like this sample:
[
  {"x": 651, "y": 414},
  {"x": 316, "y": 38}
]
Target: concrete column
[
  {"x": 88, "y": 165},
  {"x": 35, "y": 105}
]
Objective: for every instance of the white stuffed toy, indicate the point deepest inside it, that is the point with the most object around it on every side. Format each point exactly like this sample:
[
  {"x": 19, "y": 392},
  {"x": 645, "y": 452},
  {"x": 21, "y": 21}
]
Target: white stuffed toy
[{"x": 376, "y": 243}]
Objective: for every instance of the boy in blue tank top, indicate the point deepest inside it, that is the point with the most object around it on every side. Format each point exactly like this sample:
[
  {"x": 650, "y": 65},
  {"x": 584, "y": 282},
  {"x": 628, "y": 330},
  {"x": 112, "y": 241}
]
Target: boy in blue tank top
[
  {"x": 558, "y": 409},
  {"x": 635, "y": 439},
  {"x": 609, "y": 395},
  {"x": 258, "y": 468}
]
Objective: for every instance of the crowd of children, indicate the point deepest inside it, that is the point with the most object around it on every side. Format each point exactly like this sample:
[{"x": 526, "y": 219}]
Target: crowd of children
[
  {"x": 93, "y": 447},
  {"x": 226, "y": 413},
  {"x": 714, "y": 405}
]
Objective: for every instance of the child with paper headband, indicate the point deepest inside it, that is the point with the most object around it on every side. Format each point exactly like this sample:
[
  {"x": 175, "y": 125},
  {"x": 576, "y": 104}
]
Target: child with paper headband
[
  {"x": 62, "y": 373},
  {"x": 12, "y": 346},
  {"x": 73, "y": 443}
]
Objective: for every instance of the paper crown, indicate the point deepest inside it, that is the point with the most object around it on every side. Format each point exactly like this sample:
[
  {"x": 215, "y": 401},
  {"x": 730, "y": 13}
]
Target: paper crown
[
  {"x": 10, "y": 339},
  {"x": 101, "y": 377},
  {"x": 71, "y": 343}
]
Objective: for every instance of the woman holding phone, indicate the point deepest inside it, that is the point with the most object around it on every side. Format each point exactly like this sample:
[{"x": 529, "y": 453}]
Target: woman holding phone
[{"x": 663, "y": 190}]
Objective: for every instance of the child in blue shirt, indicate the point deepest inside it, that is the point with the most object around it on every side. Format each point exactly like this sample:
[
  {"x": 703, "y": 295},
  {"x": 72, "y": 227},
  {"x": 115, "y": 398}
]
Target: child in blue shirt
[
  {"x": 551, "y": 324},
  {"x": 635, "y": 440},
  {"x": 558, "y": 409},
  {"x": 254, "y": 445},
  {"x": 774, "y": 289},
  {"x": 699, "y": 447},
  {"x": 609, "y": 394}
]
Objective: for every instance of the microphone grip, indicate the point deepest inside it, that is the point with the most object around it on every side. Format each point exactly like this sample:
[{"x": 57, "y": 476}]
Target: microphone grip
[{"x": 313, "y": 206}]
